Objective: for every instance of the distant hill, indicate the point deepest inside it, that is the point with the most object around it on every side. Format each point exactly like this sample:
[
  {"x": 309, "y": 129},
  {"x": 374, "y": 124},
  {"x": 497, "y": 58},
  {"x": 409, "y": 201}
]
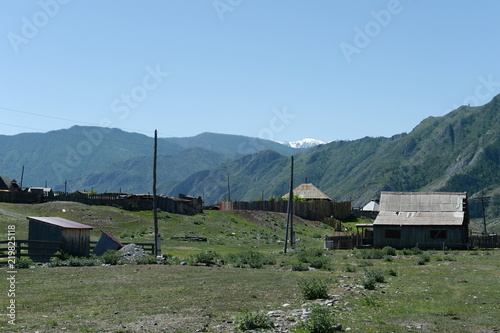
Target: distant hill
[
  {"x": 68, "y": 154},
  {"x": 457, "y": 152},
  {"x": 232, "y": 144},
  {"x": 111, "y": 159}
]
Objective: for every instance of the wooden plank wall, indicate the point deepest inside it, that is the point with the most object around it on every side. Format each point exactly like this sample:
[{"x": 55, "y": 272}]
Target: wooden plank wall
[{"x": 311, "y": 210}]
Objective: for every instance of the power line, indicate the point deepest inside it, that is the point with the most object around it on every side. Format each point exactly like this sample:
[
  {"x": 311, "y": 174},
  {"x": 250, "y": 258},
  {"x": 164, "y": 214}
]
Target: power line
[
  {"x": 47, "y": 116},
  {"x": 60, "y": 118},
  {"x": 28, "y": 128}
]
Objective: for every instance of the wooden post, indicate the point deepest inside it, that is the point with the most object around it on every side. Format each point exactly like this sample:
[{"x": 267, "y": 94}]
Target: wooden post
[
  {"x": 289, "y": 218},
  {"x": 228, "y": 188},
  {"x": 22, "y": 176},
  {"x": 155, "y": 213},
  {"x": 484, "y": 216}
]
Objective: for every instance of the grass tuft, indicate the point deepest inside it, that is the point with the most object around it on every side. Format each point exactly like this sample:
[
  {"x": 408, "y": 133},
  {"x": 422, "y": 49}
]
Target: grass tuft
[{"x": 253, "y": 320}]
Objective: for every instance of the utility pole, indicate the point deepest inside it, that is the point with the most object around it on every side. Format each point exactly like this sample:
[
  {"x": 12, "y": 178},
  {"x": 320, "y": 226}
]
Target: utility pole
[
  {"x": 484, "y": 216},
  {"x": 22, "y": 176},
  {"x": 289, "y": 217},
  {"x": 228, "y": 188},
  {"x": 155, "y": 213}
]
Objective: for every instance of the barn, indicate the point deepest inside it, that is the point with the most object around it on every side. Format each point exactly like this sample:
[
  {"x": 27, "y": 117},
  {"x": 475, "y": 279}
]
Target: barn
[
  {"x": 422, "y": 219},
  {"x": 68, "y": 236}
]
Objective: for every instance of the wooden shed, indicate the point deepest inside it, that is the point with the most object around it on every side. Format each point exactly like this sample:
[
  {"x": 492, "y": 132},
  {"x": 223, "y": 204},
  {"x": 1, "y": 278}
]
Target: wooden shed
[
  {"x": 422, "y": 219},
  {"x": 73, "y": 237},
  {"x": 105, "y": 243}
]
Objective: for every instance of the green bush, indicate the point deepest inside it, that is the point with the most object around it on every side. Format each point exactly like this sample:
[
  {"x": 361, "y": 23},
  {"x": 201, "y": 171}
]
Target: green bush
[
  {"x": 314, "y": 257},
  {"x": 371, "y": 277},
  {"x": 377, "y": 275},
  {"x": 79, "y": 262},
  {"x": 55, "y": 262},
  {"x": 171, "y": 260},
  {"x": 320, "y": 263},
  {"x": 320, "y": 320},
  {"x": 389, "y": 251},
  {"x": 208, "y": 258},
  {"x": 252, "y": 259},
  {"x": 253, "y": 320},
  {"x": 423, "y": 259},
  {"x": 370, "y": 254},
  {"x": 368, "y": 282},
  {"x": 299, "y": 267},
  {"x": 365, "y": 263},
  {"x": 314, "y": 288},
  {"x": 412, "y": 251},
  {"x": 111, "y": 257},
  {"x": 350, "y": 268},
  {"x": 148, "y": 260},
  {"x": 308, "y": 255},
  {"x": 24, "y": 262}
]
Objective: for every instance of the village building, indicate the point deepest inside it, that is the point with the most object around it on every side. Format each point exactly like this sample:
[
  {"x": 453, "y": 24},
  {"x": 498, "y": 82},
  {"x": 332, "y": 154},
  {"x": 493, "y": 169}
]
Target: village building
[
  {"x": 43, "y": 191},
  {"x": 308, "y": 191},
  {"x": 422, "y": 219},
  {"x": 47, "y": 235},
  {"x": 7, "y": 184},
  {"x": 372, "y": 206}
]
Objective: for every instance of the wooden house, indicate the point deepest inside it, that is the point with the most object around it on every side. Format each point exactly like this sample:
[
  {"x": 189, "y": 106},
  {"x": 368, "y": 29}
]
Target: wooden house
[
  {"x": 308, "y": 191},
  {"x": 422, "y": 219},
  {"x": 7, "y": 184},
  {"x": 68, "y": 236}
]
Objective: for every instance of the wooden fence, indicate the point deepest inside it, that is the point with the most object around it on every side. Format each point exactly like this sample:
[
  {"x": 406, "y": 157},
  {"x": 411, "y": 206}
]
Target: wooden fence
[
  {"x": 147, "y": 247},
  {"x": 310, "y": 210},
  {"x": 351, "y": 241},
  {"x": 35, "y": 249},
  {"x": 484, "y": 241},
  {"x": 42, "y": 251},
  {"x": 20, "y": 197}
]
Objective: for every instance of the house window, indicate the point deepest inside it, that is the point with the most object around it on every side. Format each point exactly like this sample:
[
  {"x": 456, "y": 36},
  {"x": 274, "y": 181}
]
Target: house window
[
  {"x": 438, "y": 234},
  {"x": 392, "y": 233}
]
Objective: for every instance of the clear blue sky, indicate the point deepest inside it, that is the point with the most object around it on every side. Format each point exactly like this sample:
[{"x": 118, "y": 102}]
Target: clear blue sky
[{"x": 282, "y": 70}]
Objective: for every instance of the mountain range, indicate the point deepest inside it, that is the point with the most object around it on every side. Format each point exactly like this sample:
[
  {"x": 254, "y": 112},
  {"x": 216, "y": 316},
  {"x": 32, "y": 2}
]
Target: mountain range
[
  {"x": 456, "y": 152},
  {"x": 304, "y": 143}
]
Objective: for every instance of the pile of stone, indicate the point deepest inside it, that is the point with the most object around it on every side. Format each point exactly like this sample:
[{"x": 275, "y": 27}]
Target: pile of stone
[{"x": 133, "y": 251}]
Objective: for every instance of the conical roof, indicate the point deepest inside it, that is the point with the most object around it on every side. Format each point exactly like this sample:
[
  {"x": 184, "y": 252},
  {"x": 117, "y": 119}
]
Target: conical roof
[{"x": 308, "y": 192}]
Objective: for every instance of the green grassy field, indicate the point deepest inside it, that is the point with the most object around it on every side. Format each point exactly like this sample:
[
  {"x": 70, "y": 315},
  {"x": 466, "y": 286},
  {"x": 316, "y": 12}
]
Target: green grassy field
[{"x": 455, "y": 291}]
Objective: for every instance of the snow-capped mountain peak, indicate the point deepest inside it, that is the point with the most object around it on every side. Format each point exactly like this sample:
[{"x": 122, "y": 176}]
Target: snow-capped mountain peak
[{"x": 304, "y": 143}]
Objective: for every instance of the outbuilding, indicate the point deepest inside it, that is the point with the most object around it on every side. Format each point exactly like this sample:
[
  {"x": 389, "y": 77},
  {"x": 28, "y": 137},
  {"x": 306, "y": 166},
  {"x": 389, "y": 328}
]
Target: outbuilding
[
  {"x": 422, "y": 219},
  {"x": 67, "y": 236},
  {"x": 308, "y": 191}
]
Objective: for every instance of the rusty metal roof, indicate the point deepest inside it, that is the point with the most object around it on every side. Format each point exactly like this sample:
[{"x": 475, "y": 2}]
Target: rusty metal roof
[
  {"x": 421, "y": 208},
  {"x": 60, "y": 222},
  {"x": 308, "y": 191}
]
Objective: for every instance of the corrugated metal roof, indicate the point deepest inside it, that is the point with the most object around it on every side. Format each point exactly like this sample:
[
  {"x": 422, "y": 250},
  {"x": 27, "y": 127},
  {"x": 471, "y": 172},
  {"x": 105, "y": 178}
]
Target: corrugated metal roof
[
  {"x": 308, "y": 191},
  {"x": 60, "y": 222},
  {"x": 420, "y": 218},
  {"x": 422, "y": 201},
  {"x": 421, "y": 208}
]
